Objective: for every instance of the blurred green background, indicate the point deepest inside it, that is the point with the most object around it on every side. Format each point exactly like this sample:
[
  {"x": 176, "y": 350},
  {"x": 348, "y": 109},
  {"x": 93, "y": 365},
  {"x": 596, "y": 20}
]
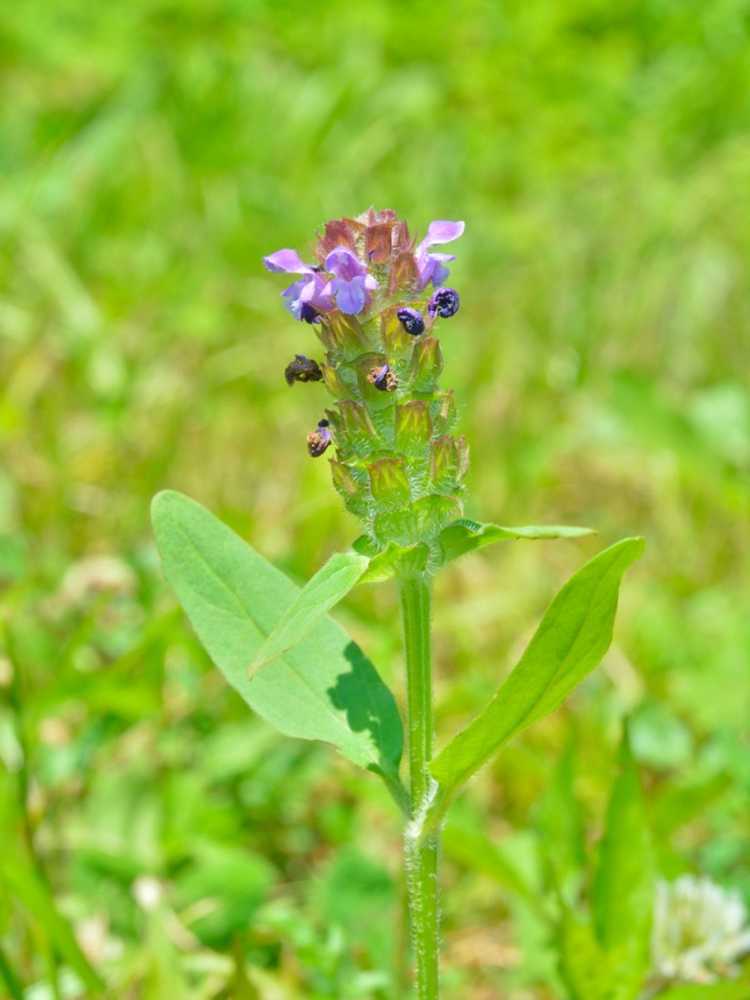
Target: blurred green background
[{"x": 151, "y": 152}]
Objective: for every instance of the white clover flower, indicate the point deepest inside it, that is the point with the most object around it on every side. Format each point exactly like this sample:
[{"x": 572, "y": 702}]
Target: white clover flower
[
  {"x": 700, "y": 930},
  {"x": 97, "y": 574}
]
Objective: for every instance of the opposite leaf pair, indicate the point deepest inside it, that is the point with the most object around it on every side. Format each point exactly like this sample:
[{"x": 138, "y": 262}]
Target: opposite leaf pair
[{"x": 299, "y": 670}]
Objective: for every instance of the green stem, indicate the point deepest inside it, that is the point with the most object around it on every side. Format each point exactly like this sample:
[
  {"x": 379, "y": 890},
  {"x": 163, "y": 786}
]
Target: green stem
[{"x": 420, "y": 855}]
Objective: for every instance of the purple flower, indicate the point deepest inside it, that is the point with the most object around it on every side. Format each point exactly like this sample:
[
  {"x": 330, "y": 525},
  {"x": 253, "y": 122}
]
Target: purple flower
[
  {"x": 431, "y": 266},
  {"x": 308, "y": 297},
  {"x": 411, "y": 320},
  {"x": 444, "y": 302},
  {"x": 351, "y": 284}
]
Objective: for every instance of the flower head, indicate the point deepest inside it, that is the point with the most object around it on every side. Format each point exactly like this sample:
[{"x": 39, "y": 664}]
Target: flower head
[
  {"x": 700, "y": 930},
  {"x": 376, "y": 298}
]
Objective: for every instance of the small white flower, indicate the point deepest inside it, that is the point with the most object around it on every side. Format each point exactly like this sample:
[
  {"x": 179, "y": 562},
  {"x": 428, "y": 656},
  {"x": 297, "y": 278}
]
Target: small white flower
[
  {"x": 700, "y": 930},
  {"x": 148, "y": 892},
  {"x": 93, "y": 575}
]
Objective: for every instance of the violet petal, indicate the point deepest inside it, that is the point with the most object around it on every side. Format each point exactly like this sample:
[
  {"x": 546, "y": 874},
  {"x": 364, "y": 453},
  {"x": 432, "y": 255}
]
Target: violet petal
[{"x": 287, "y": 261}]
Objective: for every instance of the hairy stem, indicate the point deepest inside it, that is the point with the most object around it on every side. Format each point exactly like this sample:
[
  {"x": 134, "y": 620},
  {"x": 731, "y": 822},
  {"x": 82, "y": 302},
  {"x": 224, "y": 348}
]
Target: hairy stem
[{"x": 420, "y": 855}]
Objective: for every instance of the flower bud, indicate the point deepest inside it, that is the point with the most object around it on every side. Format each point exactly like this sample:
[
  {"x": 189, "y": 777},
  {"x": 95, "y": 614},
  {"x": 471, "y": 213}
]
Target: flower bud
[
  {"x": 413, "y": 426},
  {"x": 302, "y": 369},
  {"x": 389, "y": 483},
  {"x": 444, "y": 302},
  {"x": 357, "y": 434},
  {"x": 443, "y": 411},
  {"x": 334, "y": 382},
  {"x": 448, "y": 462},
  {"x": 426, "y": 364},
  {"x": 411, "y": 320},
  {"x": 343, "y": 336},
  {"x": 318, "y": 440},
  {"x": 351, "y": 483}
]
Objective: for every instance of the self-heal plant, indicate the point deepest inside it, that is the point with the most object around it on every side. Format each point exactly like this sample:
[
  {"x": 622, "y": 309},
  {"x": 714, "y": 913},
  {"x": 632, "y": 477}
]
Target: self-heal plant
[{"x": 377, "y": 300}]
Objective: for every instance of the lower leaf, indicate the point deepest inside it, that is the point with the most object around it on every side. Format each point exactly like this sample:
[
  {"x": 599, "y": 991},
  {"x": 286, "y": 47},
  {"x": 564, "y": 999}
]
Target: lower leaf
[{"x": 324, "y": 688}]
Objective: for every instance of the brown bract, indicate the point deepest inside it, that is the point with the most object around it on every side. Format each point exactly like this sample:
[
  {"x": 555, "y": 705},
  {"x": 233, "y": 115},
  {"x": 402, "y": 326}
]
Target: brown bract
[
  {"x": 404, "y": 274},
  {"x": 339, "y": 233},
  {"x": 378, "y": 242},
  {"x": 377, "y": 237}
]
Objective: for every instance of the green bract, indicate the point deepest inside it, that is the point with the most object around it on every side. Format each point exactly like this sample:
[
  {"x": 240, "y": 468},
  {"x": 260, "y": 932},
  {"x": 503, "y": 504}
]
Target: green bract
[{"x": 398, "y": 467}]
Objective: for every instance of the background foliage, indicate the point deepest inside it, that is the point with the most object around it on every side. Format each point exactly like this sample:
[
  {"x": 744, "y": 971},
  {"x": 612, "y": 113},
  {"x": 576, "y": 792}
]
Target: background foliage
[{"x": 151, "y": 152}]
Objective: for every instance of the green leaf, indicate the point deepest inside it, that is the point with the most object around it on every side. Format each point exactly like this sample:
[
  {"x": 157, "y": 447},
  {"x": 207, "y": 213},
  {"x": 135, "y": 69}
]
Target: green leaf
[
  {"x": 465, "y": 535},
  {"x": 560, "y": 824},
  {"x": 330, "y": 585},
  {"x": 623, "y": 893},
  {"x": 324, "y": 688},
  {"x": 583, "y": 964},
  {"x": 570, "y": 641}
]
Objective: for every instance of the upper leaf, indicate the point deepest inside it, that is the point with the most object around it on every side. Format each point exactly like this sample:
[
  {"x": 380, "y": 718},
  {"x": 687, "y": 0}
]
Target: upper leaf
[
  {"x": 570, "y": 641},
  {"x": 331, "y": 584},
  {"x": 465, "y": 535},
  {"x": 324, "y": 688}
]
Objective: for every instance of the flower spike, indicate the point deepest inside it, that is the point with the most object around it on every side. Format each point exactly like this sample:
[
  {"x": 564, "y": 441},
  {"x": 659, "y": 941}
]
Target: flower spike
[{"x": 375, "y": 298}]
